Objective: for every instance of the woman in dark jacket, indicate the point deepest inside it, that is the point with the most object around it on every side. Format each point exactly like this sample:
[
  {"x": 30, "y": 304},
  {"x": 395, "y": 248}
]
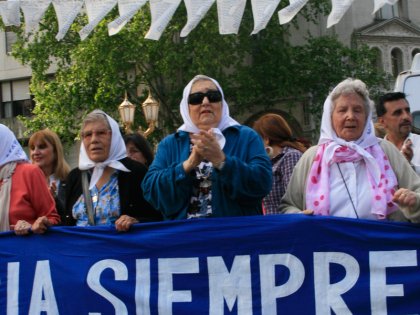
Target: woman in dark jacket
[{"x": 107, "y": 179}]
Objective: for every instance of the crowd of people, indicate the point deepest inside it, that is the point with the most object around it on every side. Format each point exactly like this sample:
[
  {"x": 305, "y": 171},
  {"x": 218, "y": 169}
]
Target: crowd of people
[{"x": 213, "y": 166}]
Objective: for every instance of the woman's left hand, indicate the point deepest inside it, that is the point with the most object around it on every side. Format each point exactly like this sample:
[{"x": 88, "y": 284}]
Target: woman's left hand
[
  {"x": 208, "y": 147},
  {"x": 124, "y": 223},
  {"x": 405, "y": 198},
  {"x": 41, "y": 225}
]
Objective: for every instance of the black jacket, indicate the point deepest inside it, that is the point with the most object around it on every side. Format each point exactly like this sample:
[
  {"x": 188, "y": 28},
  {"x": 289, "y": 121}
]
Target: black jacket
[{"x": 132, "y": 202}]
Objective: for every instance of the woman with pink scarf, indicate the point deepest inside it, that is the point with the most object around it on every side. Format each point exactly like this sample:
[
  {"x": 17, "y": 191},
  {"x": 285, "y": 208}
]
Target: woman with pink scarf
[{"x": 352, "y": 173}]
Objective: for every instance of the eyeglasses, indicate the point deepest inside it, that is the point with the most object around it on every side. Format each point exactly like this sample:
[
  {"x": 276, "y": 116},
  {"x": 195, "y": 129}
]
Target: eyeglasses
[
  {"x": 197, "y": 98},
  {"x": 101, "y": 133}
]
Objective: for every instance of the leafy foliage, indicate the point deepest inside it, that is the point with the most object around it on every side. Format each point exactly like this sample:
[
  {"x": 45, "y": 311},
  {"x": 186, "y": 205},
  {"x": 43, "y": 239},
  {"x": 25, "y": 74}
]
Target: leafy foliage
[
  {"x": 323, "y": 62},
  {"x": 258, "y": 69}
]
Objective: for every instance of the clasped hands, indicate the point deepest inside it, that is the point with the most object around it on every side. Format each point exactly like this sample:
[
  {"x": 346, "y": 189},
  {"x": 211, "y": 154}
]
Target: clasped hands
[{"x": 205, "y": 147}]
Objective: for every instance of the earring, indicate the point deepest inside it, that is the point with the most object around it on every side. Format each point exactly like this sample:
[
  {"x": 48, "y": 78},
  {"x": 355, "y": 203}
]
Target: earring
[{"x": 270, "y": 151}]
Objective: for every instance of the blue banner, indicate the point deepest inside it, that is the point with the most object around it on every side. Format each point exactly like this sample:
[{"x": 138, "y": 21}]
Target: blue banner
[{"x": 283, "y": 264}]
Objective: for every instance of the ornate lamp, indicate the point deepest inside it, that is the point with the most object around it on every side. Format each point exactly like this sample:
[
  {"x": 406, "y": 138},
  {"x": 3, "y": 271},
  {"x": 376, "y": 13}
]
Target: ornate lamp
[
  {"x": 127, "y": 110},
  {"x": 150, "y": 110}
]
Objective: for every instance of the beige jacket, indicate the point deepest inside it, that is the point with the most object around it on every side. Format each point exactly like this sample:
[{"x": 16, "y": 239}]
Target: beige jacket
[{"x": 294, "y": 199}]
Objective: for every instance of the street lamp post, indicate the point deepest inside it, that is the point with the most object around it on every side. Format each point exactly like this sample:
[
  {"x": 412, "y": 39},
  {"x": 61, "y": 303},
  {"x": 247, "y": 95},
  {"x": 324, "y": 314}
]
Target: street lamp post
[{"x": 150, "y": 110}]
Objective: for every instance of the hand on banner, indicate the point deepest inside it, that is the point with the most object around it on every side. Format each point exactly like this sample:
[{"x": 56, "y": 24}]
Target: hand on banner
[
  {"x": 124, "y": 223},
  {"x": 41, "y": 225},
  {"x": 405, "y": 198},
  {"x": 308, "y": 212},
  {"x": 22, "y": 227}
]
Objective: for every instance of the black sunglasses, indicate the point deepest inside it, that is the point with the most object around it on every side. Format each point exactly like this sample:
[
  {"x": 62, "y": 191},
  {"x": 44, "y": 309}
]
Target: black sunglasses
[{"x": 197, "y": 98}]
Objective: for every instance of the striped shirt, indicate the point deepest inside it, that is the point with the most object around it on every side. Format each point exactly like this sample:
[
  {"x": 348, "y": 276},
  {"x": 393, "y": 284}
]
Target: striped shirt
[{"x": 282, "y": 166}]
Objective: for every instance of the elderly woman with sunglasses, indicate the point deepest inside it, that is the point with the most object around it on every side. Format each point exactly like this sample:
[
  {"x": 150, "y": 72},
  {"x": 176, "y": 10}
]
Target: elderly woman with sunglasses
[
  {"x": 212, "y": 166},
  {"x": 106, "y": 187},
  {"x": 352, "y": 173}
]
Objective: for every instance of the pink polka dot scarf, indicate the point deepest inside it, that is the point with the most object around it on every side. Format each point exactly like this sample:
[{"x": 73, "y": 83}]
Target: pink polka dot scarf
[
  {"x": 333, "y": 149},
  {"x": 317, "y": 192}
]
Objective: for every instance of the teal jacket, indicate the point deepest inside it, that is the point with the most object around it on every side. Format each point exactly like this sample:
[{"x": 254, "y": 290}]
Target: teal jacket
[{"x": 237, "y": 189}]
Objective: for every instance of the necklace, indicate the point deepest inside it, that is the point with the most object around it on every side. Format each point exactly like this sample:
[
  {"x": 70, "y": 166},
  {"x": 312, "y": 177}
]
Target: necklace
[{"x": 348, "y": 192}]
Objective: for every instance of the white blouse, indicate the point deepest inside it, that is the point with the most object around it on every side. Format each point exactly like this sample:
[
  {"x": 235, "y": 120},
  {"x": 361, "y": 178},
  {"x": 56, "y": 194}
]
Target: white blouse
[{"x": 356, "y": 178}]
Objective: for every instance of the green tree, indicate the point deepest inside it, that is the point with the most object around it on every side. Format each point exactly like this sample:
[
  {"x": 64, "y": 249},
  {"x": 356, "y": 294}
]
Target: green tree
[
  {"x": 260, "y": 69},
  {"x": 324, "y": 61}
]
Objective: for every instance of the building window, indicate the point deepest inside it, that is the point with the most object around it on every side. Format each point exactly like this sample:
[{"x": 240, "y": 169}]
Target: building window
[
  {"x": 7, "y": 110},
  {"x": 388, "y": 12},
  {"x": 414, "y": 52},
  {"x": 11, "y": 38},
  {"x": 378, "y": 64},
  {"x": 396, "y": 61},
  {"x": 15, "y": 99}
]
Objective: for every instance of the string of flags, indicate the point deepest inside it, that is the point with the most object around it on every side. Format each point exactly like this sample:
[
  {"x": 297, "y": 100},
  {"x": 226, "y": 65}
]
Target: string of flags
[{"x": 229, "y": 13}]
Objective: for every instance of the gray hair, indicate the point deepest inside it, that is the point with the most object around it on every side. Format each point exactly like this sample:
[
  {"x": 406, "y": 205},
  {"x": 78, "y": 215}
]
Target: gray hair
[
  {"x": 350, "y": 86},
  {"x": 94, "y": 117}
]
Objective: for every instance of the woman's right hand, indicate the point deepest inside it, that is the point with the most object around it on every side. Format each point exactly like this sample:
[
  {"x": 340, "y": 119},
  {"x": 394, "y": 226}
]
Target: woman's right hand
[
  {"x": 193, "y": 160},
  {"x": 308, "y": 212}
]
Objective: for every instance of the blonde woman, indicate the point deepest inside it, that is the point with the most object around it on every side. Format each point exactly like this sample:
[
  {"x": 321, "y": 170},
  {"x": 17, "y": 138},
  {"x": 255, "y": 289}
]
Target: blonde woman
[{"x": 47, "y": 152}]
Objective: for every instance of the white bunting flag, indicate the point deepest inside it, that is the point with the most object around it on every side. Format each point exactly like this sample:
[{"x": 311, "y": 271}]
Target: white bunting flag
[
  {"x": 66, "y": 11},
  {"x": 288, "y": 13},
  {"x": 230, "y": 14},
  {"x": 262, "y": 10},
  {"x": 127, "y": 9},
  {"x": 33, "y": 11},
  {"x": 96, "y": 11},
  {"x": 380, "y": 3},
  {"x": 10, "y": 12},
  {"x": 339, "y": 8},
  {"x": 196, "y": 10},
  {"x": 162, "y": 12}
]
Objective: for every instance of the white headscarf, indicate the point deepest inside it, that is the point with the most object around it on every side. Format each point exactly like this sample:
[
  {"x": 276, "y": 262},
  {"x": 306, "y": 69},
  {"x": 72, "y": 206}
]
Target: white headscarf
[
  {"x": 117, "y": 151},
  {"x": 225, "y": 122},
  {"x": 10, "y": 153},
  {"x": 367, "y": 139},
  {"x": 10, "y": 149}
]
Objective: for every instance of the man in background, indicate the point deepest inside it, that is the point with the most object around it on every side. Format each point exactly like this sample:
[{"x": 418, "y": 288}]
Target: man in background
[{"x": 394, "y": 115}]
